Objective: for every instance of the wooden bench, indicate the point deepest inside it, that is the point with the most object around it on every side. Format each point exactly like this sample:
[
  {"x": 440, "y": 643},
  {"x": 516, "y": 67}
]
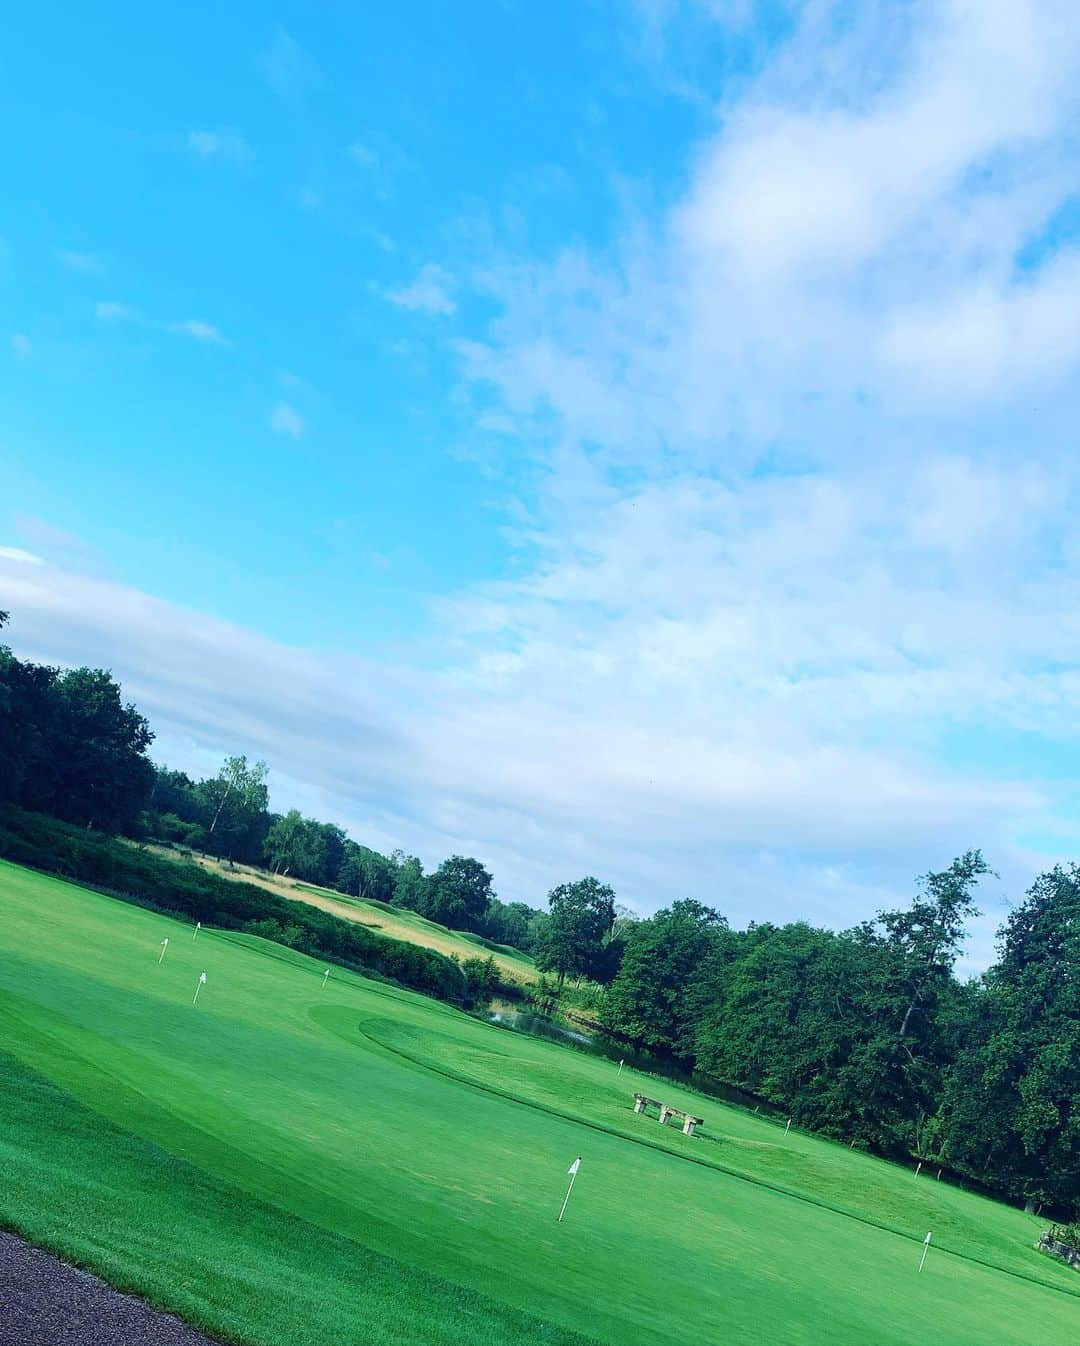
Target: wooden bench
[{"x": 642, "y": 1104}]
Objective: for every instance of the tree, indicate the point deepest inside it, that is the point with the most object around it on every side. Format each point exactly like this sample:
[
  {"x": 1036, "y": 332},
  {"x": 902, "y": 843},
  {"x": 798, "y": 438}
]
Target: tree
[
  {"x": 481, "y": 978},
  {"x": 927, "y": 935},
  {"x": 778, "y": 1020},
  {"x": 366, "y": 873},
  {"x": 410, "y": 882},
  {"x": 1012, "y": 1105},
  {"x": 458, "y": 893},
  {"x": 649, "y": 999},
  {"x": 28, "y": 708},
  {"x": 285, "y": 843},
  {"x": 98, "y": 746},
  {"x": 904, "y": 978},
  {"x": 571, "y": 943},
  {"x": 235, "y": 801}
]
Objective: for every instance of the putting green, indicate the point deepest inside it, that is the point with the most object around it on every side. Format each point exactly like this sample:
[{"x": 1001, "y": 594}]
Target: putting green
[{"x": 300, "y": 1132}]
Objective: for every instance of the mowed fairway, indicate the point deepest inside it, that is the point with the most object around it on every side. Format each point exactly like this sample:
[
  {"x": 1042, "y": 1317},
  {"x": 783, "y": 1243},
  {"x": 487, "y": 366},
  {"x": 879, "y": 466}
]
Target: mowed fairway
[{"x": 286, "y": 1165}]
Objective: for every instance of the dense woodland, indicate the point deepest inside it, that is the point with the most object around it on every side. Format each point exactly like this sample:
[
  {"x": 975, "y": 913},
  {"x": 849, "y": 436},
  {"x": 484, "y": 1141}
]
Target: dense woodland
[{"x": 864, "y": 1034}]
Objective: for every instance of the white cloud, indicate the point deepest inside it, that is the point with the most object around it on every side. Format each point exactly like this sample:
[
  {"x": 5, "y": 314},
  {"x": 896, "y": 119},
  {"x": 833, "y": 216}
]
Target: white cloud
[
  {"x": 286, "y": 420},
  {"x": 19, "y": 556},
  {"x": 364, "y": 156},
  {"x": 222, "y": 143},
  {"x": 21, "y": 345},
  {"x": 562, "y": 762},
  {"x": 201, "y": 331},
  {"x": 86, "y": 262},
  {"x": 308, "y": 198},
  {"x": 287, "y": 68},
  {"x": 795, "y": 559},
  {"x": 428, "y": 293},
  {"x": 108, "y": 310}
]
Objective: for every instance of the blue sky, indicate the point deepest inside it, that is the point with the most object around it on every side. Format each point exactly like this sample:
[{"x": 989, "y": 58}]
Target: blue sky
[{"x": 629, "y": 438}]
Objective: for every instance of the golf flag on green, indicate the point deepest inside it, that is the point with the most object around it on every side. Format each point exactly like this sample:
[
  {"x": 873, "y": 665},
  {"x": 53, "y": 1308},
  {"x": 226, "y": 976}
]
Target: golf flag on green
[
  {"x": 198, "y": 987},
  {"x": 164, "y": 946},
  {"x": 573, "y": 1171},
  {"x": 925, "y": 1250}
]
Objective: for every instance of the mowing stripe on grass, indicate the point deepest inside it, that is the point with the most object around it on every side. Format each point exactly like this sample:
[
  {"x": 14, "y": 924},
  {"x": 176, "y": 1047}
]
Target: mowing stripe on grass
[{"x": 458, "y": 1077}]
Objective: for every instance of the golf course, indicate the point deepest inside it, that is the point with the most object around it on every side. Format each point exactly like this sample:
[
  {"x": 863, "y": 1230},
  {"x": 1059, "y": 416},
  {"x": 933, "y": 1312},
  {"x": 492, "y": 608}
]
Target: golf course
[
  {"x": 394, "y": 922},
  {"x": 297, "y": 1160}
]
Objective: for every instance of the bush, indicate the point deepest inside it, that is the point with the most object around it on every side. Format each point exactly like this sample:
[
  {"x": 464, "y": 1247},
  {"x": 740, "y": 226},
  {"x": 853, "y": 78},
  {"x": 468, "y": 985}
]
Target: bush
[
  {"x": 183, "y": 888},
  {"x": 481, "y": 978}
]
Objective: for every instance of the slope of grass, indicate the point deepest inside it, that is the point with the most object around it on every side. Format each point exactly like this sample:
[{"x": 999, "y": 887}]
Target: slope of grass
[
  {"x": 404, "y": 1165},
  {"x": 395, "y": 922}
]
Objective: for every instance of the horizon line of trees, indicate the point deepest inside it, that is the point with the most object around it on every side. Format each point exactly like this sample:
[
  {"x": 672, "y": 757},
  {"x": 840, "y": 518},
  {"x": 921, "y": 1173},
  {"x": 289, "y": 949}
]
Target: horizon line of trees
[{"x": 865, "y": 1034}]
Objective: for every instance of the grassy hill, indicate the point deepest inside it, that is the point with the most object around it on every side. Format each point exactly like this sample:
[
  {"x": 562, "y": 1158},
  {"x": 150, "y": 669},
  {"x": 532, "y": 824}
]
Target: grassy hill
[
  {"x": 396, "y": 922},
  {"x": 287, "y": 1163}
]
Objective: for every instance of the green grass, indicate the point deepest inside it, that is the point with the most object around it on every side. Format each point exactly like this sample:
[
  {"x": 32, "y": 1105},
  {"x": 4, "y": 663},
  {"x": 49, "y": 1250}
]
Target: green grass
[{"x": 360, "y": 1164}]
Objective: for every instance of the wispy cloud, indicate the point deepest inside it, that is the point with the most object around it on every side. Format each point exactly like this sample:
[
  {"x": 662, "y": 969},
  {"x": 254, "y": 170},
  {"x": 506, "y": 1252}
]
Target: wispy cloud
[
  {"x": 287, "y": 68},
  {"x": 791, "y": 614},
  {"x": 109, "y": 310},
  {"x": 20, "y": 557},
  {"x": 286, "y": 420},
  {"x": 221, "y": 143},
  {"x": 86, "y": 262},
  {"x": 363, "y": 155},
  {"x": 21, "y": 344},
  {"x": 199, "y": 330},
  {"x": 308, "y": 198},
  {"x": 428, "y": 293}
]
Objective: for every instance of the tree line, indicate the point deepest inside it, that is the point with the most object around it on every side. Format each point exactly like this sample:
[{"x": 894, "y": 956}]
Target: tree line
[
  {"x": 865, "y": 1034},
  {"x": 869, "y": 1036}
]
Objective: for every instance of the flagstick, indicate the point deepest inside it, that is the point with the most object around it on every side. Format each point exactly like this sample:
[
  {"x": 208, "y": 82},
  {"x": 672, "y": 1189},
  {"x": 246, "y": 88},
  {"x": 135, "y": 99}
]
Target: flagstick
[
  {"x": 788, "y": 1127},
  {"x": 198, "y": 987},
  {"x": 925, "y": 1250},
  {"x": 198, "y": 927},
  {"x": 573, "y": 1176},
  {"x": 324, "y": 977},
  {"x": 164, "y": 946},
  {"x": 621, "y": 1064}
]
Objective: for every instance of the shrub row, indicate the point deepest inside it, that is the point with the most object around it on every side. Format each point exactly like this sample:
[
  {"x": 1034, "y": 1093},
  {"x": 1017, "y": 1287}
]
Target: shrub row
[{"x": 185, "y": 888}]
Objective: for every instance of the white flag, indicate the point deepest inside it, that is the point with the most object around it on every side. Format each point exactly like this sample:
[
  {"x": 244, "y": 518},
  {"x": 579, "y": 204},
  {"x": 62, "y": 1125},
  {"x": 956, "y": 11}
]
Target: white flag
[
  {"x": 202, "y": 977},
  {"x": 572, "y": 1170}
]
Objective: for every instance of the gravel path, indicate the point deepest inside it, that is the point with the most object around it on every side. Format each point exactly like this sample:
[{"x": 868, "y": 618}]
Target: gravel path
[{"x": 44, "y": 1302}]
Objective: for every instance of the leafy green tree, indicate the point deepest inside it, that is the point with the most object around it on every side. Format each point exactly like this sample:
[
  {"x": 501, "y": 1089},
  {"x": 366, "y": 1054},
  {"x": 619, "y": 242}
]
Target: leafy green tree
[
  {"x": 649, "y": 1000},
  {"x": 481, "y": 978},
  {"x": 410, "y": 881},
  {"x": 507, "y": 923},
  {"x": 1012, "y": 1105},
  {"x": 458, "y": 893},
  {"x": 29, "y": 770},
  {"x": 580, "y": 917},
  {"x": 100, "y": 773},
  {"x": 286, "y": 845},
  {"x": 905, "y": 975},
  {"x": 235, "y": 808},
  {"x": 778, "y": 1020},
  {"x": 366, "y": 873}
]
